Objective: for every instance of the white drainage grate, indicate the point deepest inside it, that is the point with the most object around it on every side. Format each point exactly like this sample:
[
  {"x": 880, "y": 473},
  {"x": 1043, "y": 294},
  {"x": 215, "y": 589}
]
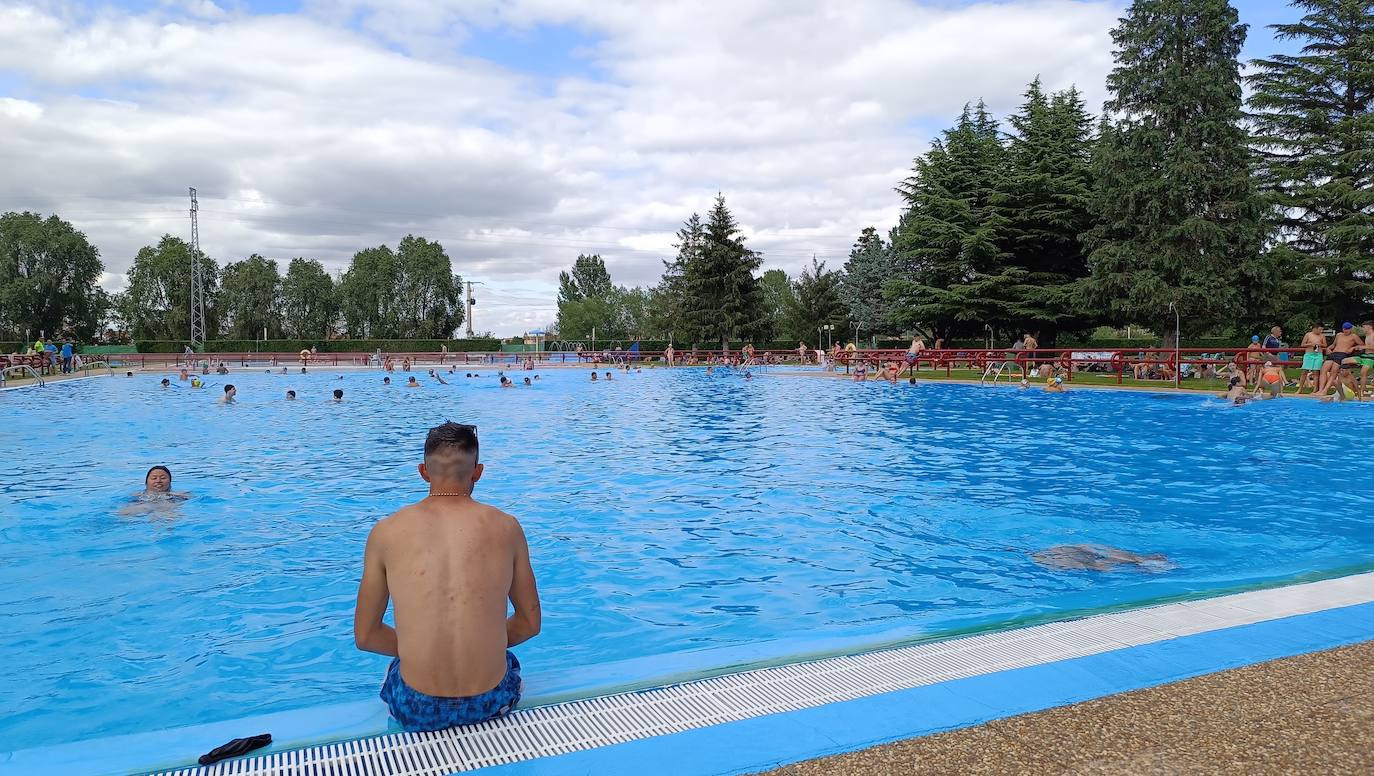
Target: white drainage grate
[{"x": 568, "y": 727}]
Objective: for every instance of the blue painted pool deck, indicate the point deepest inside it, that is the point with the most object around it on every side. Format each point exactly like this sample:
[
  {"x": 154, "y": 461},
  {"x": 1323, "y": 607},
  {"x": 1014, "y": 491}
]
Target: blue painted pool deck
[
  {"x": 779, "y": 739},
  {"x": 764, "y": 742}
]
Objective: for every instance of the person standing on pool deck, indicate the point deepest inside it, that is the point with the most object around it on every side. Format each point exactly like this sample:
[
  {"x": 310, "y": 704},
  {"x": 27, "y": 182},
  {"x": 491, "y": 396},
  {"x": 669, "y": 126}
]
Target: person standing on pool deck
[
  {"x": 1314, "y": 345},
  {"x": 1366, "y": 358},
  {"x": 1342, "y": 348},
  {"x": 448, "y": 564}
]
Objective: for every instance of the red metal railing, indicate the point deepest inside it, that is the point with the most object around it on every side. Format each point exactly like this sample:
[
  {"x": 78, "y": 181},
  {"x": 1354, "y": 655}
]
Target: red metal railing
[{"x": 1163, "y": 362}]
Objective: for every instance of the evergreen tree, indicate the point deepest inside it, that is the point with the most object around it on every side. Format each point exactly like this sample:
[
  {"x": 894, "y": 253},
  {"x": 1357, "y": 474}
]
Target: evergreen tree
[
  {"x": 952, "y": 272},
  {"x": 722, "y": 300},
  {"x": 868, "y": 269},
  {"x": 1045, "y": 200},
  {"x": 1314, "y": 130},
  {"x": 668, "y": 311},
  {"x": 815, "y": 302},
  {"x": 1178, "y": 216}
]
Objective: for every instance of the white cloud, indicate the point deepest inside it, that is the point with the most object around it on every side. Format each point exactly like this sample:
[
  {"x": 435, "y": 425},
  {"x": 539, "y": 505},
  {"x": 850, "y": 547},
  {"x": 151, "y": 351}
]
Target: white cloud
[{"x": 353, "y": 123}]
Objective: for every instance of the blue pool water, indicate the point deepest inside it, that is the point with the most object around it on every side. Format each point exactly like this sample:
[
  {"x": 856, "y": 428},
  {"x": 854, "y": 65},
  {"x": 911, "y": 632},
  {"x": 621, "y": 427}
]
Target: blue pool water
[{"x": 669, "y": 515}]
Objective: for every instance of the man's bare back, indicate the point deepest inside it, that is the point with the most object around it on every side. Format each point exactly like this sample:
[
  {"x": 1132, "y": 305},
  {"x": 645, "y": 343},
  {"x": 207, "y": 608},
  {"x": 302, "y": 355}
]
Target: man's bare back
[{"x": 448, "y": 564}]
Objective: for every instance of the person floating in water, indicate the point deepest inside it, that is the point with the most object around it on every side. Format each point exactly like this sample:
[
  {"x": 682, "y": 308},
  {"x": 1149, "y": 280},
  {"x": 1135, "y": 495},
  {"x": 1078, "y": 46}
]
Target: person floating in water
[
  {"x": 166, "y": 383},
  {"x": 196, "y": 383},
  {"x": 448, "y": 564},
  {"x": 290, "y": 395},
  {"x": 608, "y": 375},
  {"x": 412, "y": 383},
  {"x": 528, "y": 382},
  {"x": 1097, "y": 557},
  {"x": 229, "y": 393},
  {"x": 386, "y": 381},
  {"x": 594, "y": 376},
  {"x": 183, "y": 376},
  {"x": 157, "y": 493},
  {"x": 338, "y": 395},
  {"x": 437, "y": 376}
]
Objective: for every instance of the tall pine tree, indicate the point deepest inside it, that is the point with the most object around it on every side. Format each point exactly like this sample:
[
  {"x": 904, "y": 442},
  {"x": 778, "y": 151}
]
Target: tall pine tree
[
  {"x": 1178, "y": 215},
  {"x": 722, "y": 299},
  {"x": 952, "y": 275},
  {"x": 1045, "y": 198},
  {"x": 868, "y": 269},
  {"x": 1313, "y": 115}
]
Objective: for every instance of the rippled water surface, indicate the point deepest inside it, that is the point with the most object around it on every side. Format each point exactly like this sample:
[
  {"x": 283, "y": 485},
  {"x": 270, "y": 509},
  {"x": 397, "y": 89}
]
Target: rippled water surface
[{"x": 667, "y": 513}]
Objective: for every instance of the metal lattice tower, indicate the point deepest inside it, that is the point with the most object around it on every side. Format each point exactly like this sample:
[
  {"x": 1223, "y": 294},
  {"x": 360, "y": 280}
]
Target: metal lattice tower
[{"x": 197, "y": 280}]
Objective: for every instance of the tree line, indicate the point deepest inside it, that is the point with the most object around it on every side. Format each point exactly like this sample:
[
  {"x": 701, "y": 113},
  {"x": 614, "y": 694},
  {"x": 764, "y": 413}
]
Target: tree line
[
  {"x": 49, "y": 284},
  {"x": 1180, "y": 202}
]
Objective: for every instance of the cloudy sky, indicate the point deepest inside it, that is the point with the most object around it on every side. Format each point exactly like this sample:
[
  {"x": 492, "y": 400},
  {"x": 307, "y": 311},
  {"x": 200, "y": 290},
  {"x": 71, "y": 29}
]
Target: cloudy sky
[{"x": 517, "y": 133}]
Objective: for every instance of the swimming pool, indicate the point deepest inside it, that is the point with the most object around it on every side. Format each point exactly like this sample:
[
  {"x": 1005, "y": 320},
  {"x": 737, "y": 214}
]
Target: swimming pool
[{"x": 678, "y": 523}]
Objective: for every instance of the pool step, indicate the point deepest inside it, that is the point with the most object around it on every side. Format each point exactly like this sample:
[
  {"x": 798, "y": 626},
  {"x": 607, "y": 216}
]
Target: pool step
[{"x": 595, "y": 722}]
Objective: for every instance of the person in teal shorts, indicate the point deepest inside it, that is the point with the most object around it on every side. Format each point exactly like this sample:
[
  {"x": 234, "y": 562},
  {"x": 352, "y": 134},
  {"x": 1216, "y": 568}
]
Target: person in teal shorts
[{"x": 1314, "y": 346}]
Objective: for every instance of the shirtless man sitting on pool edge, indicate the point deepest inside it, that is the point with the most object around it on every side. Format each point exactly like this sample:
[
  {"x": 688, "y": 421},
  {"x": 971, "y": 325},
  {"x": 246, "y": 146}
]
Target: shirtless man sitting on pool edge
[{"x": 449, "y": 563}]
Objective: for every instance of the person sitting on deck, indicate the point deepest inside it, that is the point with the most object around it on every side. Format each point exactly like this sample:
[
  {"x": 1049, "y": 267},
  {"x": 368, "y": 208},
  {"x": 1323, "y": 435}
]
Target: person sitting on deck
[{"x": 448, "y": 564}]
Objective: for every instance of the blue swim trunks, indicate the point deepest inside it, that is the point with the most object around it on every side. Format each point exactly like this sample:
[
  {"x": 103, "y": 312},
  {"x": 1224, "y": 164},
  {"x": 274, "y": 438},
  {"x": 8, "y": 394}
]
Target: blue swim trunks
[{"x": 418, "y": 712}]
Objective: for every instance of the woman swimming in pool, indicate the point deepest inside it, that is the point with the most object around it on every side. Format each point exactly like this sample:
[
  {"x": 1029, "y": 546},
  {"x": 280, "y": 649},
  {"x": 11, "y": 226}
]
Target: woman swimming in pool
[{"x": 157, "y": 494}]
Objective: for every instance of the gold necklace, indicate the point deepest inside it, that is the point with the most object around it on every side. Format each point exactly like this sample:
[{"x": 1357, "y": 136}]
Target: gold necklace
[{"x": 432, "y": 493}]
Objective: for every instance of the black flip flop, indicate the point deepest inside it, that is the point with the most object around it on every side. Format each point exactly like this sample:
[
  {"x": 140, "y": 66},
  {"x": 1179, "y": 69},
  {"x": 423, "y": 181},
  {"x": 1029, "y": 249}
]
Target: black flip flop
[{"x": 235, "y": 748}]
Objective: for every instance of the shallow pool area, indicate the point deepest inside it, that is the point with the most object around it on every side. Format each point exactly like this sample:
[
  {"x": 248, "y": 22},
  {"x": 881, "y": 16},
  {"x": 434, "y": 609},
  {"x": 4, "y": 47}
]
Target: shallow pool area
[{"x": 677, "y": 522}]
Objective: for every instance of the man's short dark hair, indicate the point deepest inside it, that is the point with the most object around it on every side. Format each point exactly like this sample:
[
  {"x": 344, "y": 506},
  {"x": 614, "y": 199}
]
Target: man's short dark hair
[
  {"x": 228, "y": 387},
  {"x": 290, "y": 393},
  {"x": 459, "y": 436},
  {"x": 338, "y": 393}
]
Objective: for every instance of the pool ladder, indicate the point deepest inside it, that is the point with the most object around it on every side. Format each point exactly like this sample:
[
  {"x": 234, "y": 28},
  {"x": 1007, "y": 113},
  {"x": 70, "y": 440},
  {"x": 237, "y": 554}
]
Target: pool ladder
[
  {"x": 22, "y": 368},
  {"x": 995, "y": 370}
]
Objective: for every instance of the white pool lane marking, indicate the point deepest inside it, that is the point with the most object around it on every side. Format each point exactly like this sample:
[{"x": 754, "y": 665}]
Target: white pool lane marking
[{"x": 596, "y": 722}]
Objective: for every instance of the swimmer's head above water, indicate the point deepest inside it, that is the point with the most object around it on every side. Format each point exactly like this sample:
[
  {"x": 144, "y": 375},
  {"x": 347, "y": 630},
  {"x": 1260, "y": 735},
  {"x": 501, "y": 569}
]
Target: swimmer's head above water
[{"x": 158, "y": 479}]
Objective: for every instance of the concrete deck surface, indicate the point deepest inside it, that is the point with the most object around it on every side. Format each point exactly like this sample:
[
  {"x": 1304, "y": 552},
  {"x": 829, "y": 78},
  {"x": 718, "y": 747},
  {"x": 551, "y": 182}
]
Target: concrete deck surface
[{"x": 1310, "y": 714}]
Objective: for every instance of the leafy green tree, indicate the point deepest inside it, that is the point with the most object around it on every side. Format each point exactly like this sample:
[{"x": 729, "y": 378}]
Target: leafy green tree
[
  {"x": 367, "y": 294},
  {"x": 868, "y": 270},
  {"x": 588, "y": 277},
  {"x": 428, "y": 300},
  {"x": 1178, "y": 218},
  {"x": 636, "y": 312},
  {"x": 778, "y": 300},
  {"x": 310, "y": 306},
  {"x": 48, "y": 275},
  {"x": 952, "y": 274},
  {"x": 589, "y": 304},
  {"x": 722, "y": 300},
  {"x": 1045, "y": 200},
  {"x": 156, "y": 305},
  {"x": 814, "y": 303},
  {"x": 1313, "y": 118},
  {"x": 250, "y": 298}
]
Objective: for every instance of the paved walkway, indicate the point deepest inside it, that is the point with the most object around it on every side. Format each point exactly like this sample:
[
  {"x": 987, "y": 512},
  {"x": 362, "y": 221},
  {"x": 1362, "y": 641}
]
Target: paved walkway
[{"x": 1306, "y": 714}]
